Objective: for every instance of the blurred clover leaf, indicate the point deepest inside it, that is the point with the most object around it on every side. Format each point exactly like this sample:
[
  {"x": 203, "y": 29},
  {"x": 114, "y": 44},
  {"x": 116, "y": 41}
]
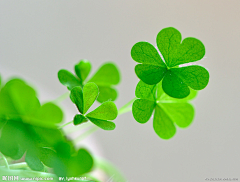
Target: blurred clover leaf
[
  {"x": 176, "y": 80},
  {"x": 84, "y": 98},
  {"x": 168, "y": 111},
  {"x": 105, "y": 78},
  {"x": 69, "y": 162},
  {"x": 26, "y": 125}
]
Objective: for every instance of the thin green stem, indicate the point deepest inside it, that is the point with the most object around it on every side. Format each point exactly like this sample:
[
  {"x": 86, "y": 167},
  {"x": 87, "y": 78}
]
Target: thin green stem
[
  {"x": 70, "y": 122},
  {"x": 5, "y": 160},
  {"x": 86, "y": 134},
  {"x": 61, "y": 97},
  {"x": 18, "y": 165},
  {"x": 77, "y": 128},
  {"x": 126, "y": 107}
]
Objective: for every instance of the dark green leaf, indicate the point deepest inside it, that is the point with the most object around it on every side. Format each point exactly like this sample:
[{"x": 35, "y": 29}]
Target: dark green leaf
[
  {"x": 180, "y": 113},
  {"x": 79, "y": 119},
  {"x": 108, "y": 74},
  {"x": 90, "y": 93},
  {"x": 175, "y": 52},
  {"x": 106, "y": 111},
  {"x": 33, "y": 161},
  {"x": 106, "y": 93},
  {"x": 144, "y": 52},
  {"x": 142, "y": 110},
  {"x": 195, "y": 76},
  {"x": 68, "y": 79},
  {"x": 162, "y": 124},
  {"x": 76, "y": 96},
  {"x": 174, "y": 86},
  {"x": 145, "y": 91},
  {"x": 163, "y": 97},
  {"x": 82, "y": 69},
  {"x": 150, "y": 74},
  {"x": 106, "y": 125}
]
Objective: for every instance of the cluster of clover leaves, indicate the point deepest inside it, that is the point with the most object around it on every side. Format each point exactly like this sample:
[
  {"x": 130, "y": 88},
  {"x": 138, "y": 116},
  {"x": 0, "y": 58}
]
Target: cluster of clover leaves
[
  {"x": 31, "y": 129},
  {"x": 166, "y": 84}
]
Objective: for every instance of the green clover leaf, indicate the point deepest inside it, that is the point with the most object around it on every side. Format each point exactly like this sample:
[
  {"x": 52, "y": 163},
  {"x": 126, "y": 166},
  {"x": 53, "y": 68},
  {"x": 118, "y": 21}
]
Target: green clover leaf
[
  {"x": 84, "y": 98},
  {"x": 168, "y": 111},
  {"x": 176, "y": 79},
  {"x": 105, "y": 78}
]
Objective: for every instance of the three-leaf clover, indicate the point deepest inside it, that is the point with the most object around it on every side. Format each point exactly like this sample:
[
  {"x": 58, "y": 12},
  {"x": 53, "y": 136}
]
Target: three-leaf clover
[
  {"x": 176, "y": 80},
  {"x": 106, "y": 77},
  {"x": 168, "y": 111},
  {"x": 26, "y": 125},
  {"x": 84, "y": 98}
]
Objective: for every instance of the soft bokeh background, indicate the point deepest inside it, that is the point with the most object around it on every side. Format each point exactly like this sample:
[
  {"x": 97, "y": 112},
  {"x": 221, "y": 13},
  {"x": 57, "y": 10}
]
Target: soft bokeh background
[{"x": 37, "y": 38}]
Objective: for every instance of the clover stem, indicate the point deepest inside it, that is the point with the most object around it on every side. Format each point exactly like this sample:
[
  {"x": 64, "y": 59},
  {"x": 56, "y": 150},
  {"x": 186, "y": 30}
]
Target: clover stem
[
  {"x": 77, "y": 128},
  {"x": 18, "y": 165},
  {"x": 5, "y": 160},
  {"x": 86, "y": 134},
  {"x": 61, "y": 98},
  {"x": 126, "y": 108},
  {"x": 65, "y": 124}
]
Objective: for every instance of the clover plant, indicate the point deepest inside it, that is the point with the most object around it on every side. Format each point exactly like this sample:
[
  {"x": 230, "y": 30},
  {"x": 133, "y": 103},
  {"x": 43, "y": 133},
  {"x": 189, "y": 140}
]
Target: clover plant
[{"x": 32, "y": 132}]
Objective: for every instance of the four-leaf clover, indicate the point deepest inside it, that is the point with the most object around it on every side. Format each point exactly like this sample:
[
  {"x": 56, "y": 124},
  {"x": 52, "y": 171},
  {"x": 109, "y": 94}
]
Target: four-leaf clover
[
  {"x": 168, "y": 111},
  {"x": 84, "y": 98},
  {"x": 106, "y": 77},
  {"x": 176, "y": 80}
]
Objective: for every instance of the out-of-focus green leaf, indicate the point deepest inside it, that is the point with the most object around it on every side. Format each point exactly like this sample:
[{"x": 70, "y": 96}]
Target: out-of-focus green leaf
[
  {"x": 77, "y": 98},
  {"x": 106, "y": 93},
  {"x": 47, "y": 156},
  {"x": 33, "y": 161},
  {"x": 106, "y": 111},
  {"x": 49, "y": 114},
  {"x": 90, "y": 93},
  {"x": 106, "y": 77},
  {"x": 68, "y": 79},
  {"x": 82, "y": 69}
]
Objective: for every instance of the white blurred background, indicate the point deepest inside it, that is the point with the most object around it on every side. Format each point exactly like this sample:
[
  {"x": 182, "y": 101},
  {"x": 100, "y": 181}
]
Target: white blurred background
[{"x": 37, "y": 38}]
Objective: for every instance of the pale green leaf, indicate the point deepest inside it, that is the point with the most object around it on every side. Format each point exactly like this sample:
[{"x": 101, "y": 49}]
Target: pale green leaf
[
  {"x": 162, "y": 124},
  {"x": 174, "y": 86},
  {"x": 142, "y": 110},
  {"x": 106, "y": 111},
  {"x": 144, "y": 52},
  {"x": 105, "y": 125},
  {"x": 107, "y": 74},
  {"x": 106, "y": 93},
  {"x": 195, "y": 76},
  {"x": 76, "y": 96},
  {"x": 82, "y": 69},
  {"x": 150, "y": 74},
  {"x": 145, "y": 91},
  {"x": 90, "y": 93},
  {"x": 180, "y": 113},
  {"x": 68, "y": 79}
]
